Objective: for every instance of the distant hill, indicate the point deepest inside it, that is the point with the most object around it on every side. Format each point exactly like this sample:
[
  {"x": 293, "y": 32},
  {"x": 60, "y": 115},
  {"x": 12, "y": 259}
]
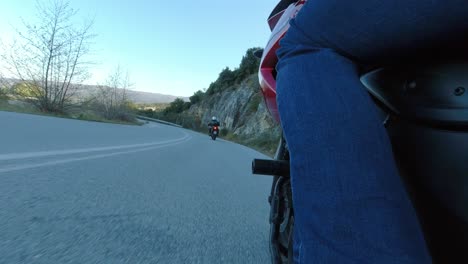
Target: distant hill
[
  {"x": 135, "y": 96},
  {"x": 146, "y": 98}
]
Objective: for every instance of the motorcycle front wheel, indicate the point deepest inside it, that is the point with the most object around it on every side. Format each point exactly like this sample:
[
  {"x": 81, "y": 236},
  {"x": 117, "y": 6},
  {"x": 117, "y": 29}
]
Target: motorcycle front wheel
[{"x": 281, "y": 213}]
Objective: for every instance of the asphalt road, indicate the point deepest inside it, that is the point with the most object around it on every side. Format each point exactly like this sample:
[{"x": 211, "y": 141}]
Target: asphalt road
[{"x": 84, "y": 192}]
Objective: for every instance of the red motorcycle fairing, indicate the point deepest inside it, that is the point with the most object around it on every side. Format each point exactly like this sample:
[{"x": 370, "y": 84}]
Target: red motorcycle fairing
[{"x": 279, "y": 23}]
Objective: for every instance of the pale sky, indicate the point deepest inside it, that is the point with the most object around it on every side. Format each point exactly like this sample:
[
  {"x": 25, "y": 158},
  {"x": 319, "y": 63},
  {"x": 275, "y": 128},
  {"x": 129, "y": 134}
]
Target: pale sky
[{"x": 169, "y": 47}]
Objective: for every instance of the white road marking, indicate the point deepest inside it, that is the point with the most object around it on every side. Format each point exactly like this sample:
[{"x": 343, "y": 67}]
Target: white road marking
[
  {"x": 39, "y": 154},
  {"x": 62, "y": 161}
]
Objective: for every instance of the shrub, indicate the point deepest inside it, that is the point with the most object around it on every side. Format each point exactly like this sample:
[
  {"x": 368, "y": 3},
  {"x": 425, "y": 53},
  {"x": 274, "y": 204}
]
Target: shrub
[{"x": 224, "y": 132}]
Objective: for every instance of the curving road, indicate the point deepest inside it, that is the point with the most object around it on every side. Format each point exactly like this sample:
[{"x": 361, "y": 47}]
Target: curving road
[{"x": 84, "y": 192}]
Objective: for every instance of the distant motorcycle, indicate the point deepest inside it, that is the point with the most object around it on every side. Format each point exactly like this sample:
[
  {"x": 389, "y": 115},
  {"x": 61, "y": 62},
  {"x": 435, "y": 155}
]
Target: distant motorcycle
[
  {"x": 424, "y": 108},
  {"x": 214, "y": 132}
]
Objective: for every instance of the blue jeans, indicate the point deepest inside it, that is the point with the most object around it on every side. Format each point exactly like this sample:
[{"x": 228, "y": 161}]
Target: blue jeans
[{"x": 350, "y": 204}]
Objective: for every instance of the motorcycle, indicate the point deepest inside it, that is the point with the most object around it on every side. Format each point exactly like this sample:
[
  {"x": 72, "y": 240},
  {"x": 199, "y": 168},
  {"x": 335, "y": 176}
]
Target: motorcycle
[
  {"x": 424, "y": 108},
  {"x": 214, "y": 132}
]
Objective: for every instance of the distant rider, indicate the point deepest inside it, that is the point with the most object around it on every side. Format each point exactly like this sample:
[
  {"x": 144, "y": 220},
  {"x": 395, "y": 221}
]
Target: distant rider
[{"x": 214, "y": 122}]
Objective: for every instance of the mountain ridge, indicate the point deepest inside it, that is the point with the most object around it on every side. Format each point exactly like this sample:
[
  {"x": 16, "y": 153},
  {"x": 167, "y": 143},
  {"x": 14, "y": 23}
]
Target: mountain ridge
[{"x": 138, "y": 97}]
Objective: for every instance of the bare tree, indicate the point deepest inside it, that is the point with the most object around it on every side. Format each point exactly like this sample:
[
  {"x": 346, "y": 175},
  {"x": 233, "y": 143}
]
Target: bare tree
[
  {"x": 6, "y": 87},
  {"x": 112, "y": 98},
  {"x": 3, "y": 88},
  {"x": 49, "y": 57}
]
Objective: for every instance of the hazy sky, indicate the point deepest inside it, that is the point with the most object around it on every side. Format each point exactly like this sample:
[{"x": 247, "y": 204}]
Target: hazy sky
[{"x": 171, "y": 47}]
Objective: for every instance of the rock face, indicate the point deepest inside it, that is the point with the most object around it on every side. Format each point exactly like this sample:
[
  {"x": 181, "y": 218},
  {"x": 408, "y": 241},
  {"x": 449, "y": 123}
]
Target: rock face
[{"x": 241, "y": 110}]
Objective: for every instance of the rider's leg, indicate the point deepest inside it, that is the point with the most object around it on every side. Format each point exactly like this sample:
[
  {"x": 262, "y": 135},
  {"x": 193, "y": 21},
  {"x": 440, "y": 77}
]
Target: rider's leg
[{"x": 350, "y": 205}]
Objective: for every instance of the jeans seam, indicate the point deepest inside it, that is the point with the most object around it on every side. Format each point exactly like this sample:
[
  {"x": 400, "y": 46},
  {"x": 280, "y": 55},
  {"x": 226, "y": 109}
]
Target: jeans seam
[{"x": 300, "y": 253}]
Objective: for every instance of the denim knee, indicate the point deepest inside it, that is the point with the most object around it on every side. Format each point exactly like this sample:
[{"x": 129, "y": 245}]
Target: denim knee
[{"x": 296, "y": 43}]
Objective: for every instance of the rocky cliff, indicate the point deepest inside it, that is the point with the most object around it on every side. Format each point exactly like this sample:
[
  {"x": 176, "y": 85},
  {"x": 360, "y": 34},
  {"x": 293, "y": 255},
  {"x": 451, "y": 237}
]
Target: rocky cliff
[{"x": 241, "y": 112}]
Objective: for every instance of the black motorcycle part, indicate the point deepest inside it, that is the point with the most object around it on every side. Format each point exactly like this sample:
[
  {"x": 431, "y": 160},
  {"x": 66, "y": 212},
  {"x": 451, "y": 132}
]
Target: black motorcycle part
[
  {"x": 428, "y": 105},
  {"x": 270, "y": 167},
  {"x": 425, "y": 109},
  {"x": 434, "y": 164},
  {"x": 281, "y": 222},
  {"x": 432, "y": 94},
  {"x": 281, "y": 212}
]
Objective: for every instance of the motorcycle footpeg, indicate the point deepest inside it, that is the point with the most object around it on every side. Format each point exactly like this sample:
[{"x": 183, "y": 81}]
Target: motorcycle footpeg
[{"x": 270, "y": 167}]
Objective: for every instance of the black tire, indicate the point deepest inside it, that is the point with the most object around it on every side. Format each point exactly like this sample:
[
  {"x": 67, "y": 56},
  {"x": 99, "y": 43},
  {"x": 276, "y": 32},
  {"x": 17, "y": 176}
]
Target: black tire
[
  {"x": 281, "y": 222},
  {"x": 281, "y": 214}
]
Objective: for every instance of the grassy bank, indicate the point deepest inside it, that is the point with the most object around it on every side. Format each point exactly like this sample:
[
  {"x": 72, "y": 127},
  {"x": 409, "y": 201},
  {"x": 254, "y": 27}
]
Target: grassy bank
[
  {"x": 76, "y": 113},
  {"x": 265, "y": 143}
]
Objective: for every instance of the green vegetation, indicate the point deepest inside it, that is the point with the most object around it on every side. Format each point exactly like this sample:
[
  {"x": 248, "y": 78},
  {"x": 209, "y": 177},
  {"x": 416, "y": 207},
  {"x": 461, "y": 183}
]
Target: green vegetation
[
  {"x": 150, "y": 109},
  {"x": 224, "y": 132},
  {"x": 3, "y": 94},
  {"x": 92, "y": 116},
  {"x": 25, "y": 90},
  {"x": 228, "y": 78},
  {"x": 197, "y": 97},
  {"x": 81, "y": 112},
  {"x": 264, "y": 142},
  {"x": 172, "y": 112},
  {"x": 177, "y": 106},
  {"x": 18, "y": 106},
  {"x": 254, "y": 102}
]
